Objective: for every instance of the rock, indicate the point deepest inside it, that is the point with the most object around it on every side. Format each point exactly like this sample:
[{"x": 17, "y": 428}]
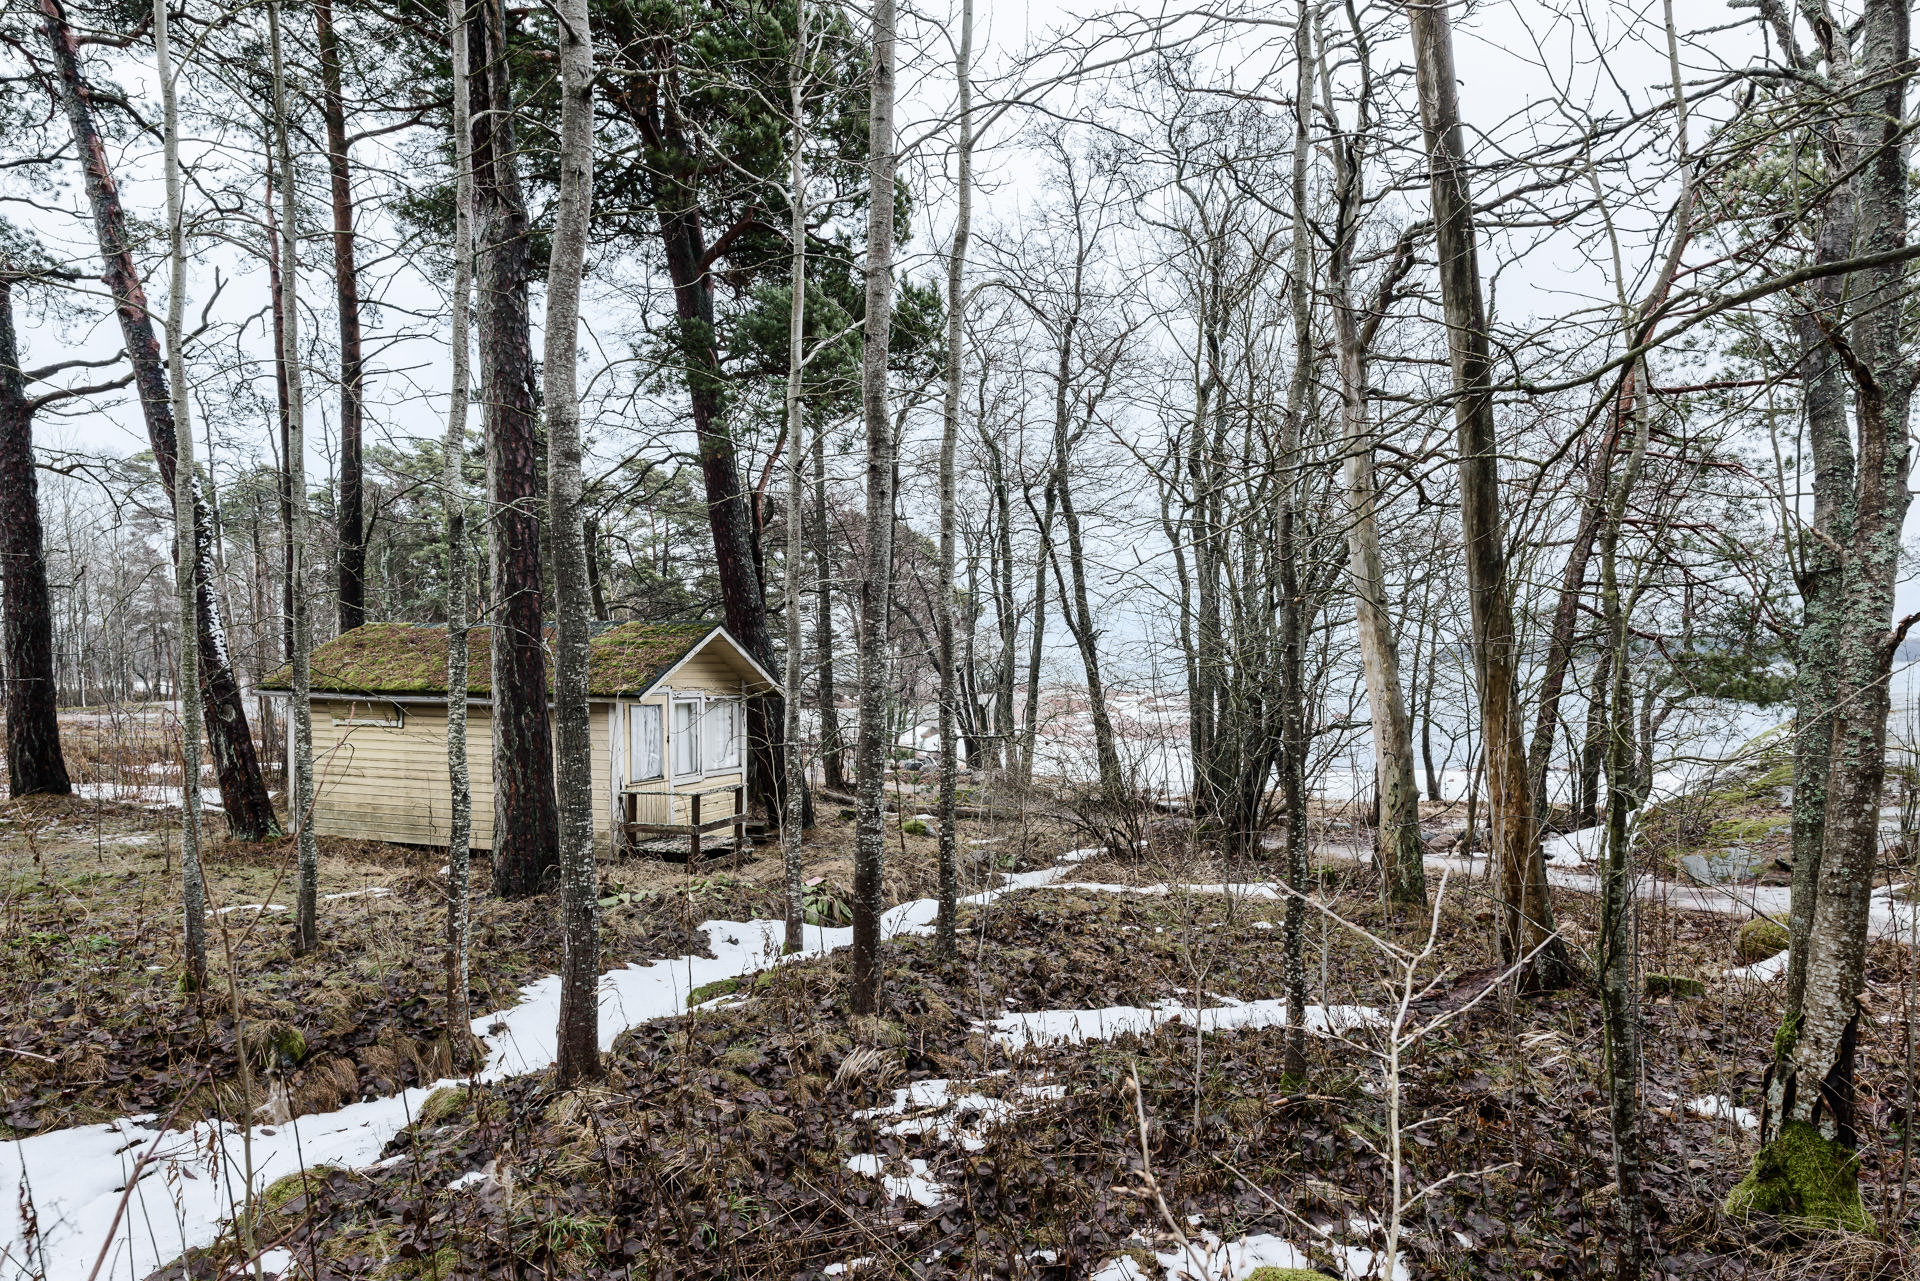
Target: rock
[
  {"x": 1759, "y": 939},
  {"x": 1735, "y": 863},
  {"x": 1677, "y": 986}
]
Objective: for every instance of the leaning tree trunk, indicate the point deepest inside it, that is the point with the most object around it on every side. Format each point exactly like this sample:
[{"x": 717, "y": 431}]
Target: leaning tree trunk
[
  {"x": 185, "y": 525},
  {"x": 307, "y": 900},
  {"x": 243, "y": 792},
  {"x": 34, "y": 760},
  {"x": 578, "y": 1034},
  {"x": 346, "y": 284},
  {"x": 1807, "y": 1165},
  {"x": 454, "y": 504},
  {"x": 949, "y": 444},
  {"x": 525, "y": 823},
  {"x": 1400, "y": 851},
  {"x": 1527, "y": 931},
  {"x": 876, "y": 594}
]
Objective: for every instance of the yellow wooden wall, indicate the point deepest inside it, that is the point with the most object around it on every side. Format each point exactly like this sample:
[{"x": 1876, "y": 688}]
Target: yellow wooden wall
[{"x": 382, "y": 784}]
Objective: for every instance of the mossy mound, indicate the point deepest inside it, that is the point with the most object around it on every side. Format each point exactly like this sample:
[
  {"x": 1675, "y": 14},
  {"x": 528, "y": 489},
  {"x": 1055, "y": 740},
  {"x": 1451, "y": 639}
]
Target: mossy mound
[
  {"x": 287, "y": 1187},
  {"x": 447, "y": 1101},
  {"x": 916, "y": 827},
  {"x": 1285, "y": 1274},
  {"x": 1678, "y": 986},
  {"x": 1805, "y": 1177},
  {"x": 1759, "y": 939}
]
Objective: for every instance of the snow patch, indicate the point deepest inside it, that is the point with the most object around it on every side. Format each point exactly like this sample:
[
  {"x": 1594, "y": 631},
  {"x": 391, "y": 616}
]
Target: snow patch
[
  {"x": 1718, "y": 1107},
  {"x": 1588, "y": 845},
  {"x": 1076, "y": 1027},
  {"x": 1762, "y": 971}
]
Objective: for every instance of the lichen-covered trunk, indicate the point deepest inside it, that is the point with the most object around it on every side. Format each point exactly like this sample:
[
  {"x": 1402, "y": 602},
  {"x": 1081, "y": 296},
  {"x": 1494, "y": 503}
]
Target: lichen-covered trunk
[
  {"x": 949, "y": 855},
  {"x": 578, "y": 1033},
  {"x": 876, "y": 595},
  {"x": 34, "y": 759},
  {"x": 1810, "y": 1127},
  {"x": 525, "y": 822},
  {"x": 243, "y": 790},
  {"x": 454, "y": 506},
  {"x": 351, "y": 527},
  {"x": 1527, "y": 931}
]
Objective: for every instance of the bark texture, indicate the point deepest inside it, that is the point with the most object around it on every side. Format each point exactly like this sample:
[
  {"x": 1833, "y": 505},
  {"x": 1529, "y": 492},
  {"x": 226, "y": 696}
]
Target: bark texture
[
  {"x": 243, "y": 791},
  {"x": 186, "y": 528},
  {"x": 525, "y": 821},
  {"x": 876, "y": 601},
  {"x": 346, "y": 287},
  {"x": 578, "y": 1034},
  {"x": 949, "y": 445},
  {"x": 1527, "y": 929},
  {"x": 454, "y": 499},
  {"x": 34, "y": 759},
  {"x": 794, "y": 811}
]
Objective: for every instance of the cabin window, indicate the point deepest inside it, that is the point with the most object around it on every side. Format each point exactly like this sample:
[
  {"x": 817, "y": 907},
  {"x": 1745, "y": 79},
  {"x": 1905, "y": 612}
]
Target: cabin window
[
  {"x": 643, "y": 742},
  {"x": 720, "y": 734},
  {"x": 686, "y": 738}
]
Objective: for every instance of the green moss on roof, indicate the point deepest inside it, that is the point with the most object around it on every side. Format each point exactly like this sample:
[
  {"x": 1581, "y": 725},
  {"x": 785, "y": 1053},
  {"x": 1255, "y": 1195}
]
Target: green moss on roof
[{"x": 404, "y": 658}]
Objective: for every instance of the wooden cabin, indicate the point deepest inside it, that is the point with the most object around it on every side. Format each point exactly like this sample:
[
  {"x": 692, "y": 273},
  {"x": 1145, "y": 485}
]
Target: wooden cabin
[{"x": 668, "y": 702}]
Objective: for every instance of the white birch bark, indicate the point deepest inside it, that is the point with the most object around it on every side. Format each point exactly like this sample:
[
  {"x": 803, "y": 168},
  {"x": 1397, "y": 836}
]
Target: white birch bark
[
  {"x": 307, "y": 893},
  {"x": 186, "y": 544},
  {"x": 459, "y": 781},
  {"x": 949, "y": 442},
  {"x": 796, "y": 781},
  {"x": 579, "y": 1034},
  {"x": 876, "y": 587}
]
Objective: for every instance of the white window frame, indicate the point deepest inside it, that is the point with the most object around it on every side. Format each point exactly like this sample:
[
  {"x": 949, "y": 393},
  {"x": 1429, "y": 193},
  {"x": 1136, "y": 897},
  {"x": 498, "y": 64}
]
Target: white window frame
[
  {"x": 672, "y": 746},
  {"x": 702, "y": 704}
]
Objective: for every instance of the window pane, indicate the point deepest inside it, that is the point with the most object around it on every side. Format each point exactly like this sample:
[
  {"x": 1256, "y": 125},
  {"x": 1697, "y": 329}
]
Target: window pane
[
  {"x": 716, "y": 733},
  {"x": 644, "y": 743},
  {"x": 686, "y": 738}
]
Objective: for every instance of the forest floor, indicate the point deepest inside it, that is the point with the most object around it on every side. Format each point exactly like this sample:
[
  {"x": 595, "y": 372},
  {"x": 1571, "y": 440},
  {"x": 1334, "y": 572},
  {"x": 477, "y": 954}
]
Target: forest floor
[{"x": 982, "y": 1125}]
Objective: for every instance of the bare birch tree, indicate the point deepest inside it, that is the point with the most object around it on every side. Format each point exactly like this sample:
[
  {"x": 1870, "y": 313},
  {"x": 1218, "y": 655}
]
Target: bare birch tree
[
  {"x": 876, "y": 594},
  {"x": 454, "y": 505},
  {"x": 579, "y": 1030},
  {"x": 186, "y": 528}
]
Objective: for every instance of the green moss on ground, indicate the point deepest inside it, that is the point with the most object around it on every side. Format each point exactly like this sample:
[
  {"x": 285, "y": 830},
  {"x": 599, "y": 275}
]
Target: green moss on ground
[
  {"x": 447, "y": 1101},
  {"x": 1675, "y": 985},
  {"x": 916, "y": 827},
  {"x": 1760, "y": 938},
  {"x": 1806, "y": 1177},
  {"x": 1285, "y": 1274}
]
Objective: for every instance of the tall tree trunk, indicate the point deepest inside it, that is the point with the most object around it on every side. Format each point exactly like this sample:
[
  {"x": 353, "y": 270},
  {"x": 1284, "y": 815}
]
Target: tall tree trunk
[
  {"x": 578, "y": 1034},
  {"x": 284, "y": 421},
  {"x": 1400, "y": 852},
  {"x": 833, "y": 758},
  {"x": 307, "y": 893},
  {"x": 454, "y": 505},
  {"x": 1807, "y": 1165},
  {"x": 1075, "y": 605},
  {"x": 243, "y": 791},
  {"x": 793, "y": 812},
  {"x": 876, "y": 588},
  {"x": 186, "y": 527},
  {"x": 346, "y": 285},
  {"x": 1620, "y": 1014},
  {"x": 1030, "y": 723},
  {"x": 946, "y": 943},
  {"x": 34, "y": 759},
  {"x": 1527, "y": 930},
  {"x": 596, "y": 589},
  {"x": 525, "y": 822},
  {"x": 1292, "y": 607}
]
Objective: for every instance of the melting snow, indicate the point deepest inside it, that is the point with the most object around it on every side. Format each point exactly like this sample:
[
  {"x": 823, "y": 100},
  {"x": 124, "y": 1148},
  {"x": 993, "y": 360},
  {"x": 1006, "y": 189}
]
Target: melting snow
[
  {"x": 1762, "y": 971},
  {"x": 1076, "y": 1027},
  {"x": 1719, "y": 1107}
]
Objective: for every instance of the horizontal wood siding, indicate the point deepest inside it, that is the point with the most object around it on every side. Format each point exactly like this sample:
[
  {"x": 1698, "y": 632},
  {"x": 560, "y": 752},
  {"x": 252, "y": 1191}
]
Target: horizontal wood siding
[{"x": 383, "y": 784}]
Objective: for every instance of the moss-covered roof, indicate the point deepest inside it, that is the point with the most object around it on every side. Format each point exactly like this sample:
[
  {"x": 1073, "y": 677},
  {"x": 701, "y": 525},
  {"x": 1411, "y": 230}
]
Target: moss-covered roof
[{"x": 405, "y": 658}]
